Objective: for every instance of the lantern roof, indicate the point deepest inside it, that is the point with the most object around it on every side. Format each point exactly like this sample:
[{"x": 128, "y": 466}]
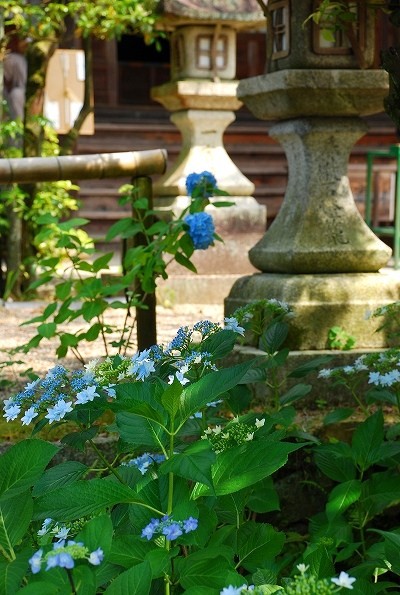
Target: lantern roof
[{"x": 239, "y": 14}]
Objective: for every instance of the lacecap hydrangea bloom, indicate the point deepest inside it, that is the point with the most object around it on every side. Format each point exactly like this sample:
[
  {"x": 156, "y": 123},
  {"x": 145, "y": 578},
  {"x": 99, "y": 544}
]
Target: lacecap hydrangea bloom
[
  {"x": 64, "y": 555},
  {"x": 201, "y": 229},
  {"x": 168, "y": 527},
  {"x": 57, "y": 394}
]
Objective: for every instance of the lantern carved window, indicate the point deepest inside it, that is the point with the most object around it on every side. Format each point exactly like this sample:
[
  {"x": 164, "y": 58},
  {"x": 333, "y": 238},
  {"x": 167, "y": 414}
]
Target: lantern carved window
[
  {"x": 211, "y": 53},
  {"x": 280, "y": 29},
  {"x": 331, "y": 38}
]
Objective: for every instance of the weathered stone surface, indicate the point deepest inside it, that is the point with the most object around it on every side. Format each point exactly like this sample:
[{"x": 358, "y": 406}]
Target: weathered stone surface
[
  {"x": 197, "y": 94},
  {"x": 202, "y": 149},
  {"x": 297, "y": 93},
  {"x": 319, "y": 228},
  {"x": 321, "y": 302}
]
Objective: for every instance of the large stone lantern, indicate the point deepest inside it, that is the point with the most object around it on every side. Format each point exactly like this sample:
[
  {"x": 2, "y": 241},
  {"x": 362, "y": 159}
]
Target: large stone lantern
[{"x": 318, "y": 255}]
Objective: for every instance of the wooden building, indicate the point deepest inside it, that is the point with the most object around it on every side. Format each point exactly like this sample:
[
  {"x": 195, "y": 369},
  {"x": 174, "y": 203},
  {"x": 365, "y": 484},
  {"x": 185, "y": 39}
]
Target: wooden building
[{"x": 127, "y": 119}]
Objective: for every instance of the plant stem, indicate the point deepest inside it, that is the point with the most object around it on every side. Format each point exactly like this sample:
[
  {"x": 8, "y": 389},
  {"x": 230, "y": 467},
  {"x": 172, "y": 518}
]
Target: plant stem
[
  {"x": 107, "y": 464},
  {"x": 169, "y": 502},
  {"x": 71, "y": 581}
]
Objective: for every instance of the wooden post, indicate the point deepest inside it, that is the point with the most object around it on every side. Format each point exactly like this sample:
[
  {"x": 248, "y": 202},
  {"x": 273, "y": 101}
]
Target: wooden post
[{"x": 146, "y": 326}]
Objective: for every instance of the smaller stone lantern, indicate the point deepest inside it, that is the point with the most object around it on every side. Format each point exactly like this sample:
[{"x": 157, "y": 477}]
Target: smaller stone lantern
[
  {"x": 202, "y": 98},
  {"x": 202, "y": 92}
]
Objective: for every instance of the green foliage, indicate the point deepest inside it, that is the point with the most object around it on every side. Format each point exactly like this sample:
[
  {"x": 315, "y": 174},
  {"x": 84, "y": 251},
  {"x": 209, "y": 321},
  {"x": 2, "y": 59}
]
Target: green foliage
[
  {"x": 333, "y": 15},
  {"x": 112, "y": 507},
  {"x": 338, "y": 338},
  {"x": 53, "y": 199},
  {"x": 74, "y": 272},
  {"x": 104, "y": 19},
  {"x": 185, "y": 498}
]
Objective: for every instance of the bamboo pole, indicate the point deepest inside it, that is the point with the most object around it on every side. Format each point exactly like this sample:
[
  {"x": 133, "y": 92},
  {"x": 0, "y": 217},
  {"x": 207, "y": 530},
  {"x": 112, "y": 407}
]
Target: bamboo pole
[{"x": 82, "y": 167}]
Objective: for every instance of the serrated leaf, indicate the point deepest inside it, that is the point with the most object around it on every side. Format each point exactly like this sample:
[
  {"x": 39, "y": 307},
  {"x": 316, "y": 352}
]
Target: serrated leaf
[
  {"x": 77, "y": 440},
  {"x": 194, "y": 463},
  {"x": 82, "y": 498},
  {"x": 139, "y": 431},
  {"x": 295, "y": 393},
  {"x": 335, "y": 460},
  {"x": 59, "y": 476},
  {"x": 341, "y": 497},
  {"x": 22, "y": 465},
  {"x": 367, "y": 440},
  {"x": 245, "y": 465},
  {"x": 98, "y": 532},
  {"x": 273, "y": 338},
  {"x": 170, "y": 398},
  {"x": 15, "y": 517},
  {"x": 338, "y": 415},
  {"x": 210, "y": 387},
  {"x": 257, "y": 543},
  {"x": 219, "y": 344},
  {"x": 12, "y": 573},
  {"x": 128, "y": 550},
  {"x": 206, "y": 568},
  {"x": 135, "y": 581}
]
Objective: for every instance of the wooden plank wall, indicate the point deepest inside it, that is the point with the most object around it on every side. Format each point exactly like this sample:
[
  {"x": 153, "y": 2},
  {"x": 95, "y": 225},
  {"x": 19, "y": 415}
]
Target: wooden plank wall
[
  {"x": 126, "y": 119},
  {"x": 247, "y": 141}
]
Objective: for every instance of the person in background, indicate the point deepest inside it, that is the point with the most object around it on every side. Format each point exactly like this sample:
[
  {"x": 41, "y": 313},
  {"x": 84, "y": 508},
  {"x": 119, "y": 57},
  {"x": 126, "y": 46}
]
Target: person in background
[{"x": 15, "y": 72}]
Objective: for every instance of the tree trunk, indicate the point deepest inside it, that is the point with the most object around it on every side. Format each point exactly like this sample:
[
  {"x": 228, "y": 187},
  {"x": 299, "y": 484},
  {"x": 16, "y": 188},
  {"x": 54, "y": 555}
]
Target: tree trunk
[{"x": 20, "y": 233}]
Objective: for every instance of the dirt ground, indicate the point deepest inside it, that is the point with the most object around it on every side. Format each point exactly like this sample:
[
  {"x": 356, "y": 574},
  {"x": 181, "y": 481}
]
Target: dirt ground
[{"x": 12, "y": 334}]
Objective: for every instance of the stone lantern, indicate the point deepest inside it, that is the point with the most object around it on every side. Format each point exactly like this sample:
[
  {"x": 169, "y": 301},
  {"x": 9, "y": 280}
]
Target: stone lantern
[
  {"x": 297, "y": 46},
  {"x": 201, "y": 96},
  {"x": 318, "y": 255}
]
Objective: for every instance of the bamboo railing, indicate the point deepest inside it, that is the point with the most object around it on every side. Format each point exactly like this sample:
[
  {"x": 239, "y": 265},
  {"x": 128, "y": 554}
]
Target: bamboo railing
[{"x": 139, "y": 165}]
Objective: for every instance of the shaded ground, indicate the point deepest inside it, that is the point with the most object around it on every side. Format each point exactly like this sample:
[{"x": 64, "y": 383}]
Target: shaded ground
[{"x": 41, "y": 359}]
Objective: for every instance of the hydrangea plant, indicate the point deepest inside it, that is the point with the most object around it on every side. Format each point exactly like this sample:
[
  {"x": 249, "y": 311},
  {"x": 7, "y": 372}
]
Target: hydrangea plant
[{"x": 155, "y": 513}]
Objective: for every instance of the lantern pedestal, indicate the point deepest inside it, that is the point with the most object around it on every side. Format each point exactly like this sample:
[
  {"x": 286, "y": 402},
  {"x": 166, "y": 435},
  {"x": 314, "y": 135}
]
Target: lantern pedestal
[
  {"x": 321, "y": 302},
  {"x": 319, "y": 256}
]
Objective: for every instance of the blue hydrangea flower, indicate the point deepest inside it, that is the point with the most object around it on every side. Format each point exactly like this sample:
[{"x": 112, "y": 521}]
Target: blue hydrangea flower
[
  {"x": 141, "y": 365},
  {"x": 201, "y": 230},
  {"x": 36, "y": 562},
  {"x": 202, "y": 184},
  {"x": 144, "y": 461},
  {"x": 172, "y": 531},
  {"x": 59, "y": 410},
  {"x": 169, "y": 528},
  {"x": 63, "y": 560},
  {"x": 190, "y": 524},
  {"x": 86, "y": 395},
  {"x": 96, "y": 557},
  {"x": 232, "y": 324},
  {"x": 150, "y": 529},
  {"x": 29, "y": 415}
]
